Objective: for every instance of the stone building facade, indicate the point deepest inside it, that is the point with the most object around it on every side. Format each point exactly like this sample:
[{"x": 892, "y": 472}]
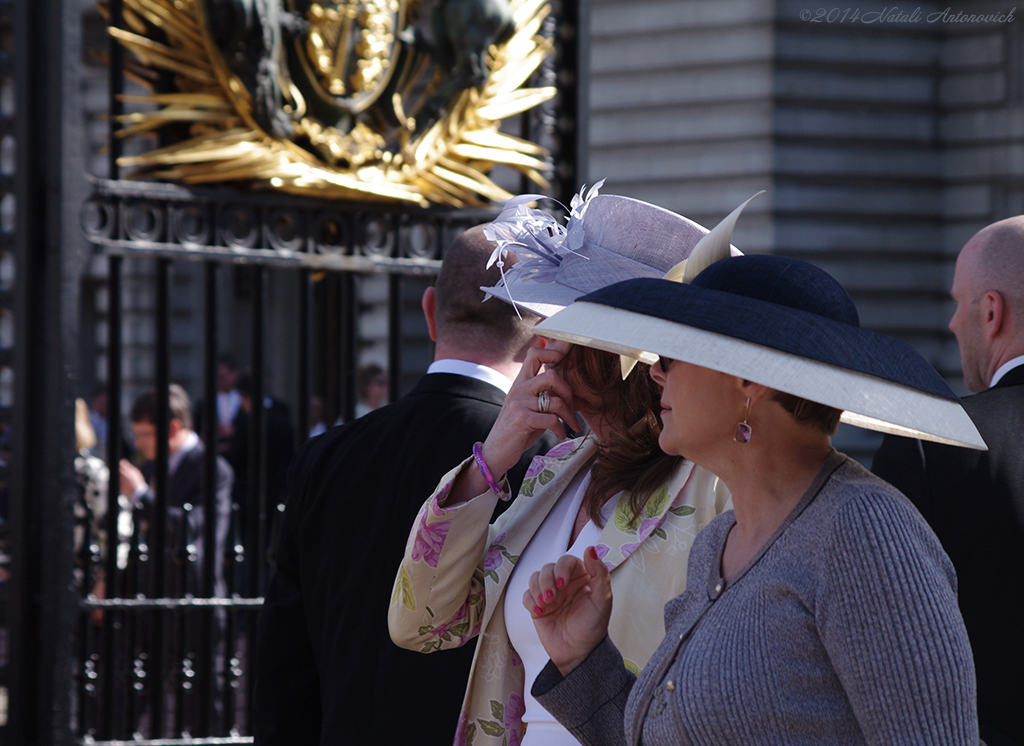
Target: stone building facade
[{"x": 884, "y": 136}]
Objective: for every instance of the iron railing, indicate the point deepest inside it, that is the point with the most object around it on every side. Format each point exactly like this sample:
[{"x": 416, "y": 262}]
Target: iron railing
[{"x": 159, "y": 667}]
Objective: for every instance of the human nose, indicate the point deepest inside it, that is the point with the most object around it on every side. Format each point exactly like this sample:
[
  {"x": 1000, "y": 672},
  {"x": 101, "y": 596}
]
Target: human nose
[{"x": 657, "y": 373}]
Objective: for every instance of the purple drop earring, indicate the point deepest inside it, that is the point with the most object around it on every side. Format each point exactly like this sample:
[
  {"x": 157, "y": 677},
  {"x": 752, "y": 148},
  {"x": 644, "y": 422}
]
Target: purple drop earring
[{"x": 743, "y": 430}]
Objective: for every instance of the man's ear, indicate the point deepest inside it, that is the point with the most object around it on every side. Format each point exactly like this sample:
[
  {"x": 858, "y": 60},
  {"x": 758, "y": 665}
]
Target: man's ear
[
  {"x": 993, "y": 310},
  {"x": 173, "y": 428},
  {"x": 429, "y": 304}
]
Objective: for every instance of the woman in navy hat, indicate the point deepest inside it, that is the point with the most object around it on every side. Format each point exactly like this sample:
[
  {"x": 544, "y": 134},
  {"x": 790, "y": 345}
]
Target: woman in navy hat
[{"x": 821, "y": 609}]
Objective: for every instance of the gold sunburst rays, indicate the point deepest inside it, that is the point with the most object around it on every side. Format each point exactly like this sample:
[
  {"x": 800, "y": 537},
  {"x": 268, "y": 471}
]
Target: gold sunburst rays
[{"x": 447, "y": 164}]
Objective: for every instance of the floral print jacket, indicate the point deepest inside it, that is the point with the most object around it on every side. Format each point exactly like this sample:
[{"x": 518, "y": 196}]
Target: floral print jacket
[{"x": 451, "y": 584}]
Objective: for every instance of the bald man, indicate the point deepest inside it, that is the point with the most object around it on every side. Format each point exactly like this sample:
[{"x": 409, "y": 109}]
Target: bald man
[
  {"x": 327, "y": 673},
  {"x": 974, "y": 500}
]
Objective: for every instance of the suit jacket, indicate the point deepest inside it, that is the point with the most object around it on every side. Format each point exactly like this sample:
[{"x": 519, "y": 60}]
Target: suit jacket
[
  {"x": 326, "y": 669},
  {"x": 974, "y": 501},
  {"x": 280, "y": 445},
  {"x": 451, "y": 585},
  {"x": 185, "y": 521}
]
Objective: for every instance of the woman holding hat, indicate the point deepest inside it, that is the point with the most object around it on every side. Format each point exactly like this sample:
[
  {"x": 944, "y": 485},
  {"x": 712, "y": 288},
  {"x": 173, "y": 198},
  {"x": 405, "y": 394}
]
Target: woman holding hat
[
  {"x": 821, "y": 609},
  {"x": 612, "y": 489}
]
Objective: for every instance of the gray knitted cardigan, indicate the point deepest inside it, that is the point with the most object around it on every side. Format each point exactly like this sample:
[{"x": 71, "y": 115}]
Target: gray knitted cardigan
[{"x": 844, "y": 629}]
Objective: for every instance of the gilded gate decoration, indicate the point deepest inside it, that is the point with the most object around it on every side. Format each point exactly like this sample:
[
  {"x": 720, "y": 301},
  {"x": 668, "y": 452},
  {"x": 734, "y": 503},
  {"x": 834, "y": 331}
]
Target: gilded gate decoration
[{"x": 396, "y": 100}]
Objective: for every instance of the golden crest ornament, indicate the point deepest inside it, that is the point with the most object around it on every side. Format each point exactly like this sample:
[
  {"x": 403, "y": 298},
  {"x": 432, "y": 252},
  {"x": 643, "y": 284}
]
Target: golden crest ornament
[{"x": 358, "y": 99}]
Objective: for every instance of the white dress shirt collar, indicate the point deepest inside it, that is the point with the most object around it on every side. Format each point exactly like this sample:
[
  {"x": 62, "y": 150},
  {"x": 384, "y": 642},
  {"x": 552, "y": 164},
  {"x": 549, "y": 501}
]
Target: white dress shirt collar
[
  {"x": 191, "y": 441},
  {"x": 471, "y": 370},
  {"x": 1006, "y": 368}
]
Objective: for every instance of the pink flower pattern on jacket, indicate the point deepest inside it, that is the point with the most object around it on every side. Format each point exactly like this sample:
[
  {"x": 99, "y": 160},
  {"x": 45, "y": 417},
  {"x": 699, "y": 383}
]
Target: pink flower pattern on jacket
[
  {"x": 429, "y": 540},
  {"x": 602, "y": 550},
  {"x": 495, "y": 705},
  {"x": 441, "y": 629},
  {"x": 462, "y": 730},
  {"x": 647, "y": 527},
  {"x": 493, "y": 559},
  {"x": 514, "y": 711}
]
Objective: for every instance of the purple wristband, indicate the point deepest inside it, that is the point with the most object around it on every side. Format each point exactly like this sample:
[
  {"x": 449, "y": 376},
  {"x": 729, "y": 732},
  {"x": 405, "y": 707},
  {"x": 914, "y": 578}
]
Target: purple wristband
[{"x": 478, "y": 456}]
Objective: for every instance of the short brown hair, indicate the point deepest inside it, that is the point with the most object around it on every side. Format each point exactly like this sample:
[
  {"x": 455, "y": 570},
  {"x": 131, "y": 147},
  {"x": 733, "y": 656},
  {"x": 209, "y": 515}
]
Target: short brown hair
[
  {"x": 632, "y": 459},
  {"x": 463, "y": 314},
  {"x": 821, "y": 416},
  {"x": 179, "y": 407}
]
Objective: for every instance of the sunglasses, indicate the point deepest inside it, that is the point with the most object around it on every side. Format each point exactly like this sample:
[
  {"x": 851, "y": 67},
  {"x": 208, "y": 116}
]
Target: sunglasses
[{"x": 665, "y": 363}]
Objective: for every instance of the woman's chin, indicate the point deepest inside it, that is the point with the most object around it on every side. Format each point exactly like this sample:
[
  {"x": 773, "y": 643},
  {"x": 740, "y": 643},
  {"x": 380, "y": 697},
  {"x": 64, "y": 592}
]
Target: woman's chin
[{"x": 667, "y": 443}]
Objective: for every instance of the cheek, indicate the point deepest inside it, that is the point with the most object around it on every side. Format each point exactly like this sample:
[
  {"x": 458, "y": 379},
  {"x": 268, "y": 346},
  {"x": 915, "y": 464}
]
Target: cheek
[{"x": 673, "y": 392}]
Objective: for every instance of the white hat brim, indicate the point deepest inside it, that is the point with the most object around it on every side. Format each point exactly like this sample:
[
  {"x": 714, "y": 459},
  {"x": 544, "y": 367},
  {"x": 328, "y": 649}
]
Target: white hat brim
[{"x": 866, "y": 401}]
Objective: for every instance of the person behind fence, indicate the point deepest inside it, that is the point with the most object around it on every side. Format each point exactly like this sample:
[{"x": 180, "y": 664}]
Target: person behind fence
[
  {"x": 821, "y": 609},
  {"x": 228, "y": 401},
  {"x": 612, "y": 487},
  {"x": 372, "y": 383},
  {"x": 326, "y": 671},
  {"x": 279, "y": 434},
  {"x": 186, "y": 510},
  {"x": 90, "y": 534},
  {"x": 317, "y": 416},
  {"x": 974, "y": 500}
]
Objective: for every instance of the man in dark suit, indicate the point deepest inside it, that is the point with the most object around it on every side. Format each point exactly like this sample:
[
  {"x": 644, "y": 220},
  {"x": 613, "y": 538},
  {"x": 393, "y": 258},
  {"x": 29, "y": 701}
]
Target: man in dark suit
[
  {"x": 326, "y": 669},
  {"x": 184, "y": 517},
  {"x": 974, "y": 500}
]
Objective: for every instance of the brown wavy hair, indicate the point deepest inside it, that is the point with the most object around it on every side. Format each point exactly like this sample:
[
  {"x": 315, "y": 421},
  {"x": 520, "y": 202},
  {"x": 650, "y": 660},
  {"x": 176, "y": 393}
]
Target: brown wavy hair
[
  {"x": 821, "y": 416},
  {"x": 631, "y": 460}
]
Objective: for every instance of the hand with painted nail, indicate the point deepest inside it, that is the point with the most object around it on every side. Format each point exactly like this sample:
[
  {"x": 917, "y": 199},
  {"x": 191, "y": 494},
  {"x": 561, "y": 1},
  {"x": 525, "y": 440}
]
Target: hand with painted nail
[
  {"x": 570, "y": 602},
  {"x": 539, "y": 400}
]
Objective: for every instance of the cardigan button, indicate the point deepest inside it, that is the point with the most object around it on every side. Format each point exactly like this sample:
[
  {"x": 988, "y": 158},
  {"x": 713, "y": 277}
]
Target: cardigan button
[
  {"x": 670, "y": 686},
  {"x": 718, "y": 588}
]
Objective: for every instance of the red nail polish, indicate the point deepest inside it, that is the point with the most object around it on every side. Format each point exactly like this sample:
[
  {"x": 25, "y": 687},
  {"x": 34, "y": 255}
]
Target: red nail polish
[
  {"x": 559, "y": 583},
  {"x": 538, "y": 610},
  {"x": 548, "y": 595},
  {"x": 593, "y": 552}
]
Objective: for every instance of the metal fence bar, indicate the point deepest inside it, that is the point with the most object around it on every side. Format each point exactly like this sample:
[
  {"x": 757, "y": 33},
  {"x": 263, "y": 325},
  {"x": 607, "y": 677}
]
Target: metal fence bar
[
  {"x": 229, "y": 741},
  {"x": 39, "y": 618},
  {"x": 113, "y": 577},
  {"x": 206, "y": 665},
  {"x": 394, "y": 336},
  {"x": 115, "y": 82},
  {"x": 160, "y": 547},
  {"x": 302, "y": 356},
  {"x": 143, "y": 671}
]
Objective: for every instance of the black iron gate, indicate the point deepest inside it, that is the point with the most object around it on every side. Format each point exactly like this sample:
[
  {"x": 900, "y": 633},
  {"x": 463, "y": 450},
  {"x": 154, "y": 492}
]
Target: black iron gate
[{"x": 101, "y": 639}]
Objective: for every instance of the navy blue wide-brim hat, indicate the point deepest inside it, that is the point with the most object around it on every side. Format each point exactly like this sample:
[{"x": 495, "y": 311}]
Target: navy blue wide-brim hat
[{"x": 780, "y": 322}]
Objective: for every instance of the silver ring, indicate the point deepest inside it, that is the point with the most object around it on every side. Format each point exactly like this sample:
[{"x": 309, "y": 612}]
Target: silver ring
[{"x": 543, "y": 401}]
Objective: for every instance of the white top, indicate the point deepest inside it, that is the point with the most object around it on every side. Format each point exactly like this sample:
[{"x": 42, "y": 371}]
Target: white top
[
  {"x": 228, "y": 404},
  {"x": 1005, "y": 368},
  {"x": 471, "y": 370},
  {"x": 549, "y": 543}
]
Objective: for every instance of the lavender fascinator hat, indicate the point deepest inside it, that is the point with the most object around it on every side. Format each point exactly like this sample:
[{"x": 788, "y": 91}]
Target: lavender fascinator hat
[
  {"x": 780, "y": 322},
  {"x": 607, "y": 238}
]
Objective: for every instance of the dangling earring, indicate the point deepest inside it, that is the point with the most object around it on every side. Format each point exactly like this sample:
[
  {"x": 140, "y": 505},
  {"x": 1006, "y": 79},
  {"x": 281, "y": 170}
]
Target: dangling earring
[{"x": 743, "y": 430}]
